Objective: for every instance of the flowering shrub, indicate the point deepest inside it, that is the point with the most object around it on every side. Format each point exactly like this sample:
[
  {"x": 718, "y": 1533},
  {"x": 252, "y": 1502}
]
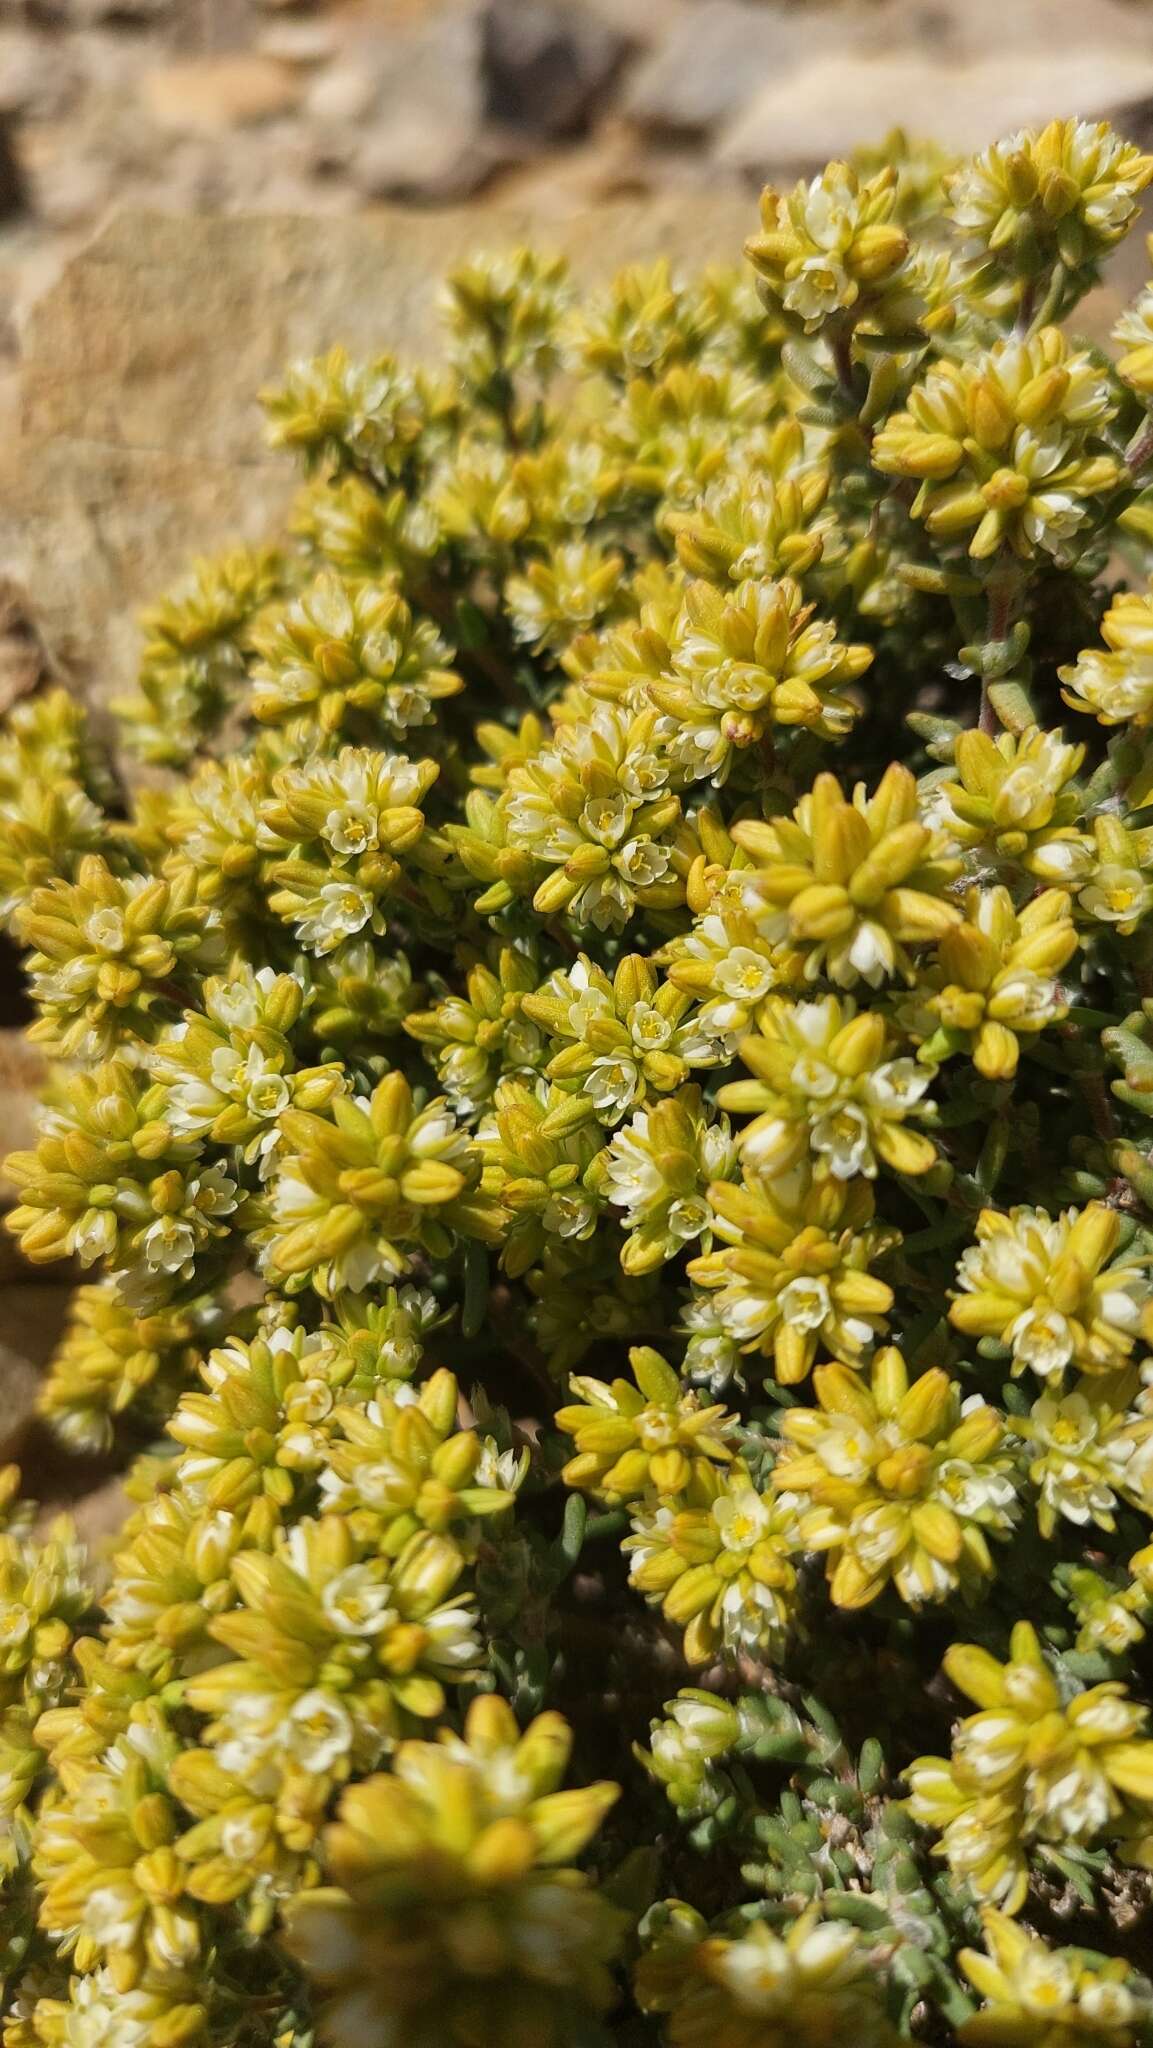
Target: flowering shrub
[{"x": 601, "y": 1086}]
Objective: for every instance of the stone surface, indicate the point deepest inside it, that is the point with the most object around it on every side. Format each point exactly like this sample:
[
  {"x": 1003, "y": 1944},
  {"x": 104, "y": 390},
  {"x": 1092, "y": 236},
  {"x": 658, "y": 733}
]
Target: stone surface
[
  {"x": 401, "y": 112},
  {"x": 710, "y": 62},
  {"x": 219, "y": 92},
  {"x": 34, "y": 1317},
  {"x": 140, "y": 441},
  {"x": 13, "y": 185},
  {"x": 24, "y": 665},
  {"x": 835, "y": 102},
  {"x": 545, "y": 65},
  {"x": 22, "y": 1073}
]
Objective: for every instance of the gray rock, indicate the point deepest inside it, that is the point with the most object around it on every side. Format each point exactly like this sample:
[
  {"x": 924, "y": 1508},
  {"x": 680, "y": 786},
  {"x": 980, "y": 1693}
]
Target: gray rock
[
  {"x": 835, "y": 102},
  {"x": 13, "y": 184},
  {"x": 37, "y": 78},
  {"x": 709, "y": 63},
  {"x": 547, "y": 65},
  {"x": 401, "y": 113},
  {"x": 22, "y": 1075},
  {"x": 34, "y": 1317}
]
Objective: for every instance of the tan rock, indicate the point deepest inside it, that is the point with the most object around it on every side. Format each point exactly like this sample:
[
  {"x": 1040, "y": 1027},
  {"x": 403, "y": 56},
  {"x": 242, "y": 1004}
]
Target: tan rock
[
  {"x": 99, "y": 1516},
  {"x": 22, "y": 1073},
  {"x": 140, "y": 440},
  {"x": 837, "y": 101},
  {"x": 219, "y": 92},
  {"x": 33, "y": 1319}
]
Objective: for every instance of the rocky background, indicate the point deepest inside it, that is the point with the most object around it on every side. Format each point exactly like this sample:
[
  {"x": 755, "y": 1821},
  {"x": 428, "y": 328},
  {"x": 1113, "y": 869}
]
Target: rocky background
[{"x": 192, "y": 191}]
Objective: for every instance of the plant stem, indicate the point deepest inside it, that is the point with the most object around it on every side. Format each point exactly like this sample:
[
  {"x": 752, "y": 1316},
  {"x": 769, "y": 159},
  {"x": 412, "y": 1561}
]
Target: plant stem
[{"x": 1002, "y": 590}]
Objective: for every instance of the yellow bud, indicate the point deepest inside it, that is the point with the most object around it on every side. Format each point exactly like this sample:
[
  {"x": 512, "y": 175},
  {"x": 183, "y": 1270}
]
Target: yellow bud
[
  {"x": 934, "y": 456},
  {"x": 1136, "y": 369},
  {"x": 822, "y": 911},
  {"x": 938, "y": 1530},
  {"x": 995, "y": 1052},
  {"x": 1093, "y": 1238},
  {"x": 991, "y": 418},
  {"x": 976, "y": 1673},
  {"x": 503, "y": 1853},
  {"x": 925, "y": 1406},
  {"x": 876, "y": 252},
  {"x": 565, "y": 1822},
  {"x": 1042, "y": 396}
]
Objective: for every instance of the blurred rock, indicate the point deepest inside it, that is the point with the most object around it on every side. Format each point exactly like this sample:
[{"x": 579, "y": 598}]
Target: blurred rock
[
  {"x": 219, "y": 92},
  {"x": 22, "y": 1073},
  {"x": 13, "y": 188},
  {"x": 100, "y": 1515},
  {"x": 24, "y": 664},
  {"x": 835, "y": 102},
  {"x": 988, "y": 28},
  {"x": 711, "y": 61},
  {"x": 293, "y": 41},
  {"x": 118, "y": 12},
  {"x": 140, "y": 441},
  {"x": 34, "y": 1317},
  {"x": 37, "y": 78},
  {"x": 545, "y": 65},
  {"x": 401, "y": 111}
]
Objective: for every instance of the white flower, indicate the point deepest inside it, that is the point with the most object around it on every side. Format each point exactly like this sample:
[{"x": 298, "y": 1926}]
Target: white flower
[
  {"x": 357, "y": 1603},
  {"x": 338, "y": 910},
  {"x": 318, "y": 1731}
]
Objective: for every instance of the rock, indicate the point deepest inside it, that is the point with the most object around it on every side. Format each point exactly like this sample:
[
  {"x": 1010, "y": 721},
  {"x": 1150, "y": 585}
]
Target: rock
[
  {"x": 346, "y": 92},
  {"x": 117, "y": 13},
  {"x": 835, "y": 102},
  {"x": 401, "y": 112},
  {"x": 22, "y": 1074},
  {"x": 139, "y": 440},
  {"x": 409, "y": 160},
  {"x": 710, "y": 62},
  {"x": 34, "y": 1317},
  {"x": 98, "y": 1516},
  {"x": 545, "y": 64},
  {"x": 293, "y": 41},
  {"x": 219, "y": 92},
  {"x": 37, "y": 79},
  {"x": 24, "y": 666},
  {"x": 976, "y": 28},
  {"x": 13, "y": 188}
]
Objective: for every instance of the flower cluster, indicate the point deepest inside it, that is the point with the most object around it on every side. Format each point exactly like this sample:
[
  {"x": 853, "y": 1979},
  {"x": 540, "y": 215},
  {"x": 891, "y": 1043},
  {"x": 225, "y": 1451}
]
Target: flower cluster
[
  {"x": 599, "y": 1089},
  {"x": 1031, "y": 1770}
]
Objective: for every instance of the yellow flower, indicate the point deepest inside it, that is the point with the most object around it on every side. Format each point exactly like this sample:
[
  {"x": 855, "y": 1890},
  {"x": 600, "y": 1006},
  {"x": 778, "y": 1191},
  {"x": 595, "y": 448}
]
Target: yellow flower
[
  {"x": 1070, "y": 189},
  {"x": 1014, "y": 802},
  {"x": 1116, "y": 687},
  {"x": 1053, "y": 1290},
  {"x": 829, "y": 1088},
  {"x": 1040, "y": 1997},
  {"x": 995, "y": 979},
  {"x": 358, "y": 1188},
  {"x": 793, "y": 1275},
  {"x": 723, "y": 1571},
  {"x": 454, "y": 1915},
  {"x": 895, "y": 1482},
  {"x": 1029, "y": 1769},
  {"x": 801, "y": 1987},
  {"x": 1008, "y": 447},
  {"x": 649, "y": 1437},
  {"x": 848, "y": 886},
  {"x": 830, "y": 247}
]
